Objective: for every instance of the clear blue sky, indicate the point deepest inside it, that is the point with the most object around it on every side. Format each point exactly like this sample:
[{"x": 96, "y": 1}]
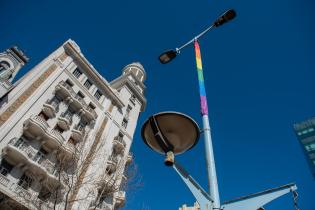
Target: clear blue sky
[{"x": 259, "y": 72}]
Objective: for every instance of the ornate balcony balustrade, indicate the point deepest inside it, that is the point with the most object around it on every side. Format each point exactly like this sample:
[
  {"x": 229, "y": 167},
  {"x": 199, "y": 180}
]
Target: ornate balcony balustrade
[
  {"x": 78, "y": 132},
  {"x": 51, "y": 107},
  {"x": 120, "y": 198},
  {"x": 65, "y": 120},
  {"x": 36, "y": 127},
  {"x": 20, "y": 152},
  {"x": 119, "y": 144},
  {"x": 129, "y": 158},
  {"x": 112, "y": 163}
]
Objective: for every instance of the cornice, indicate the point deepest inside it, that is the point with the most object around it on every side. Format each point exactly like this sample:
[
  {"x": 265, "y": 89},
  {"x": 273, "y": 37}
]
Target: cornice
[
  {"x": 123, "y": 80},
  {"x": 104, "y": 85}
]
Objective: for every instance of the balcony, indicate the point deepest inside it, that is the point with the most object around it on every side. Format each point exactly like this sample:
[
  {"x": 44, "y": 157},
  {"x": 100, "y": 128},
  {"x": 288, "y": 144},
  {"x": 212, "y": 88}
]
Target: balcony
[
  {"x": 119, "y": 144},
  {"x": 112, "y": 164},
  {"x": 120, "y": 198},
  {"x": 65, "y": 91},
  {"x": 78, "y": 132},
  {"x": 50, "y": 108},
  {"x": 65, "y": 120},
  {"x": 37, "y": 128},
  {"x": 129, "y": 158},
  {"x": 19, "y": 151}
]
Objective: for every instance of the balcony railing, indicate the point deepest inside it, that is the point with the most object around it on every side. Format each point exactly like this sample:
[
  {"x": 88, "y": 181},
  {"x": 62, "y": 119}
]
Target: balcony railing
[
  {"x": 91, "y": 114},
  {"x": 23, "y": 147},
  {"x": 120, "y": 198},
  {"x": 65, "y": 120},
  {"x": 51, "y": 107},
  {"x": 112, "y": 163},
  {"x": 119, "y": 144},
  {"x": 78, "y": 132},
  {"x": 26, "y": 154},
  {"x": 4, "y": 180}
]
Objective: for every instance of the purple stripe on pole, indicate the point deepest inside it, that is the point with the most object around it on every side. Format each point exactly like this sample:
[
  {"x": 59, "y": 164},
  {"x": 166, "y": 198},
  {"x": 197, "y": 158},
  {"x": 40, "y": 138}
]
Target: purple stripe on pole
[{"x": 204, "y": 105}]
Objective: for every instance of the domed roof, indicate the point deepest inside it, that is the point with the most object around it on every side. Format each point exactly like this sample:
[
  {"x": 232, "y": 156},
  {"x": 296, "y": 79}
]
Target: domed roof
[{"x": 134, "y": 67}]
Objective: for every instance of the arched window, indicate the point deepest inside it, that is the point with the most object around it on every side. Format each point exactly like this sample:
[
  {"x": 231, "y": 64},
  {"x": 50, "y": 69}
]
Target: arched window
[{"x": 4, "y": 65}]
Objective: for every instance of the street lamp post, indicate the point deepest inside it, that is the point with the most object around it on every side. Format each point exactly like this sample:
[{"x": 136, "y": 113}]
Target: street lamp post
[{"x": 162, "y": 139}]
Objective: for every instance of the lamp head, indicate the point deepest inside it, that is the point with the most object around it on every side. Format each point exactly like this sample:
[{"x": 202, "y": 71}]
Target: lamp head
[
  {"x": 225, "y": 17},
  {"x": 167, "y": 56},
  {"x": 167, "y": 132}
]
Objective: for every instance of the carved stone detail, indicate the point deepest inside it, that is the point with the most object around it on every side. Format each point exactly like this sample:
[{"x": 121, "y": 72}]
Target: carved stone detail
[{"x": 26, "y": 94}]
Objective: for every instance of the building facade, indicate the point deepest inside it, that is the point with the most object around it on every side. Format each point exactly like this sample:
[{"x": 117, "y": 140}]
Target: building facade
[
  {"x": 305, "y": 132},
  {"x": 66, "y": 133},
  {"x": 11, "y": 61}
]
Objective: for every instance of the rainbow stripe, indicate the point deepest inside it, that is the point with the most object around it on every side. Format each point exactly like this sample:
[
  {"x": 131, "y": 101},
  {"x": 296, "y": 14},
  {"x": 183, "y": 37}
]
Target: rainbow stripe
[{"x": 202, "y": 90}]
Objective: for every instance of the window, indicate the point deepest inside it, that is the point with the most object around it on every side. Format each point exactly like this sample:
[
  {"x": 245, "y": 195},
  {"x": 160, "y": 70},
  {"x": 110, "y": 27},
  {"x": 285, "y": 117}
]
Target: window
[
  {"x": 81, "y": 94},
  {"x": 40, "y": 155},
  {"x": 98, "y": 95},
  {"x": 87, "y": 84},
  {"x": 68, "y": 114},
  {"x": 4, "y": 66},
  {"x": 44, "y": 194},
  {"x": 77, "y": 73},
  {"x": 5, "y": 167},
  {"x": 68, "y": 82},
  {"x": 58, "y": 129},
  {"x": 124, "y": 123},
  {"x": 128, "y": 109},
  {"x": 133, "y": 99},
  {"x": 25, "y": 181},
  {"x": 72, "y": 141},
  {"x": 92, "y": 106},
  {"x": 43, "y": 116}
]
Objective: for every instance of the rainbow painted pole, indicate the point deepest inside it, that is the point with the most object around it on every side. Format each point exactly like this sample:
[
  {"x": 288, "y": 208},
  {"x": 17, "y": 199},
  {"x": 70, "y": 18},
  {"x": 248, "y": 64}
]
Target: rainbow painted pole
[{"x": 212, "y": 175}]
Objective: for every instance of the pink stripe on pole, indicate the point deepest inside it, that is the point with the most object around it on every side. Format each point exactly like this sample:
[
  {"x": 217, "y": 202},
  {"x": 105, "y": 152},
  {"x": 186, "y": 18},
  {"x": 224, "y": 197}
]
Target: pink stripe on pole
[{"x": 204, "y": 105}]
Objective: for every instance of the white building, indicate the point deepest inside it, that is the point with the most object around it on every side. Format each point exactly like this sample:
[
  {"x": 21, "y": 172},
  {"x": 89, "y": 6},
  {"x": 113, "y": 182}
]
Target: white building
[
  {"x": 63, "y": 126},
  {"x": 195, "y": 207}
]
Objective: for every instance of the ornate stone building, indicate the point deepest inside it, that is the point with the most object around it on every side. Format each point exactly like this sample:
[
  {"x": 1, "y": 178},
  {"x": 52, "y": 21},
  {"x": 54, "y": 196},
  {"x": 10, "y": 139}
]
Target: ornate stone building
[
  {"x": 66, "y": 133},
  {"x": 11, "y": 61}
]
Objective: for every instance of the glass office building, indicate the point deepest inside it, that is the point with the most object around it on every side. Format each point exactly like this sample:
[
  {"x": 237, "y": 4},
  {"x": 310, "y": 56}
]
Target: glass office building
[{"x": 305, "y": 132}]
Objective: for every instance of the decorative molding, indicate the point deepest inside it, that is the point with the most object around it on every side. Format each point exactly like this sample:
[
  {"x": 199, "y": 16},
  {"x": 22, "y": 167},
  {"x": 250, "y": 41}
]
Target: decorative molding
[
  {"x": 26, "y": 94},
  {"x": 63, "y": 56}
]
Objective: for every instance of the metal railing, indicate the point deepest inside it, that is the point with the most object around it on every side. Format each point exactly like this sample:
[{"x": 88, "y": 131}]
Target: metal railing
[
  {"x": 120, "y": 140},
  {"x": 4, "y": 180},
  {"x": 80, "y": 127},
  {"x": 67, "y": 115},
  {"x": 41, "y": 120},
  {"x": 23, "y": 146},
  {"x": 54, "y": 103}
]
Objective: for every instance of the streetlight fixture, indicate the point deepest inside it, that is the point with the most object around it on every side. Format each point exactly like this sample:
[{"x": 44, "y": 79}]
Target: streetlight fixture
[
  {"x": 172, "y": 133},
  {"x": 169, "y": 55}
]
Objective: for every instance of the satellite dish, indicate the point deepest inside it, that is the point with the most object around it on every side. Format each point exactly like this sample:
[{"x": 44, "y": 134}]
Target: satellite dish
[{"x": 170, "y": 133}]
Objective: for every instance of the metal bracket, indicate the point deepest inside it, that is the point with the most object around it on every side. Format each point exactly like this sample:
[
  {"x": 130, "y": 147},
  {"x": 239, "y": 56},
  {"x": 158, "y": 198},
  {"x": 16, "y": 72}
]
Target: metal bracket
[
  {"x": 258, "y": 200},
  {"x": 202, "y": 197},
  {"x": 250, "y": 202}
]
